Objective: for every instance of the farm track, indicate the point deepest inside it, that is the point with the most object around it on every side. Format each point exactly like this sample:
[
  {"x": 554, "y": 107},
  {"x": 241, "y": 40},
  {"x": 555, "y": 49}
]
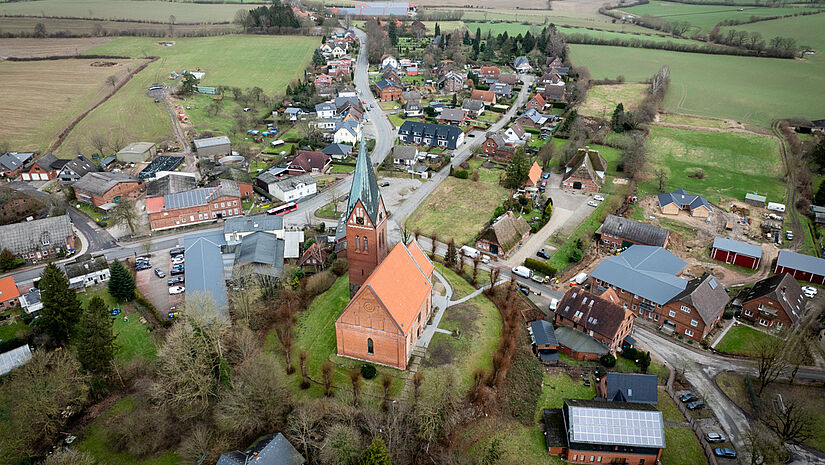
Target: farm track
[{"x": 790, "y": 196}]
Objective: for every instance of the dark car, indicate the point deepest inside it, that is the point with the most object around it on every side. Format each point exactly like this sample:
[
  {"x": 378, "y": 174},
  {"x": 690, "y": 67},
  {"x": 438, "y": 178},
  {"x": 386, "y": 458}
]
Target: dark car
[
  {"x": 142, "y": 266},
  {"x": 542, "y": 253},
  {"x": 724, "y": 452},
  {"x": 175, "y": 280},
  {"x": 159, "y": 273},
  {"x": 688, "y": 397},
  {"x": 177, "y": 251},
  {"x": 176, "y": 271},
  {"x": 384, "y": 184},
  {"x": 714, "y": 437},
  {"x": 695, "y": 405},
  {"x": 524, "y": 290}
]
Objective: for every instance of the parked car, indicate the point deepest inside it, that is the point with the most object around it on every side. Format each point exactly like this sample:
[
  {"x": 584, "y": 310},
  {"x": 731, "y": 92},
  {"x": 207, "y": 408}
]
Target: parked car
[
  {"x": 554, "y": 304},
  {"x": 688, "y": 397},
  {"x": 714, "y": 437},
  {"x": 178, "y": 260},
  {"x": 599, "y": 198},
  {"x": 546, "y": 175},
  {"x": 592, "y": 203},
  {"x": 159, "y": 273},
  {"x": 724, "y": 452},
  {"x": 142, "y": 266},
  {"x": 542, "y": 253},
  {"x": 176, "y": 290},
  {"x": 789, "y": 235},
  {"x": 524, "y": 290},
  {"x": 177, "y": 251},
  {"x": 522, "y": 271},
  {"x": 175, "y": 280},
  {"x": 176, "y": 271},
  {"x": 695, "y": 405},
  {"x": 538, "y": 279},
  {"x": 809, "y": 291},
  {"x": 384, "y": 184}
]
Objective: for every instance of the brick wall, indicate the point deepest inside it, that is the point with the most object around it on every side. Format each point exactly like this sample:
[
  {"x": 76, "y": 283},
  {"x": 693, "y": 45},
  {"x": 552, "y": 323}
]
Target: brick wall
[
  {"x": 587, "y": 184},
  {"x": 752, "y": 307}
]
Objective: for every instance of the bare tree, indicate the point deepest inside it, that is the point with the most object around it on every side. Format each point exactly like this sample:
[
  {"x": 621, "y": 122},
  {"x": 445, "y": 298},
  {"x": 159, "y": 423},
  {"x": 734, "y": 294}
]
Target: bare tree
[
  {"x": 112, "y": 81},
  {"x": 476, "y": 262},
  {"x": 770, "y": 361},
  {"x": 790, "y": 420},
  {"x": 661, "y": 178},
  {"x": 417, "y": 233},
  {"x": 763, "y": 448},
  {"x": 117, "y": 139},
  {"x": 495, "y": 272},
  {"x": 434, "y": 239},
  {"x": 355, "y": 379},
  {"x": 302, "y": 360},
  {"x": 461, "y": 255},
  {"x": 146, "y": 246},
  {"x": 99, "y": 142},
  {"x": 125, "y": 213},
  {"x": 302, "y": 427},
  {"x": 405, "y": 234},
  {"x": 326, "y": 375},
  {"x": 210, "y": 322},
  {"x": 386, "y": 384},
  {"x": 418, "y": 379}
]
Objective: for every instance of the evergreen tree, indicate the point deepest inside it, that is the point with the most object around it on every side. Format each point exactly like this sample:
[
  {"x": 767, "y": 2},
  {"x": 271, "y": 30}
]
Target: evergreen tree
[
  {"x": 375, "y": 454},
  {"x": 392, "y": 32},
  {"x": 518, "y": 170},
  {"x": 61, "y": 309},
  {"x": 819, "y": 198},
  {"x": 466, "y": 39},
  {"x": 437, "y": 30},
  {"x": 121, "y": 282},
  {"x": 96, "y": 347},
  {"x": 317, "y": 58},
  {"x": 8, "y": 260},
  {"x": 455, "y": 100},
  {"x": 190, "y": 83},
  {"x": 618, "y": 118}
]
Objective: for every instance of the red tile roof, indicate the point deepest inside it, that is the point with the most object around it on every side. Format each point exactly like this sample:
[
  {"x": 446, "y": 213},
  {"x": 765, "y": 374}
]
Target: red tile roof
[{"x": 8, "y": 289}]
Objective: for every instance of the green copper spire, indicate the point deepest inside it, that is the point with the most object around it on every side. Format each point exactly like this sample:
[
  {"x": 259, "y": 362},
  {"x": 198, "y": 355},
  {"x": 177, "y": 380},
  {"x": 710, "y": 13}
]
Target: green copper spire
[{"x": 364, "y": 185}]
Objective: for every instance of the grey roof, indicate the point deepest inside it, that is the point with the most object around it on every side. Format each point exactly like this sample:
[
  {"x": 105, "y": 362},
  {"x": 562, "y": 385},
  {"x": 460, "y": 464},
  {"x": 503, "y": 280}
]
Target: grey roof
[
  {"x": 326, "y": 106},
  {"x": 501, "y": 88},
  {"x": 49, "y": 161},
  {"x": 706, "y": 295},
  {"x": 385, "y": 83},
  {"x": 293, "y": 111},
  {"x": 435, "y": 131},
  {"x": 579, "y": 342},
  {"x": 261, "y": 248},
  {"x": 274, "y": 449},
  {"x": 211, "y": 141},
  {"x": 783, "y": 289},
  {"x": 542, "y": 333},
  {"x": 245, "y": 224},
  {"x": 170, "y": 184},
  {"x": 635, "y": 230},
  {"x": 535, "y": 116},
  {"x": 411, "y": 95},
  {"x": 341, "y": 101},
  {"x": 204, "y": 265},
  {"x": 683, "y": 200},
  {"x": 452, "y": 114},
  {"x": 101, "y": 182},
  {"x": 28, "y": 236},
  {"x": 200, "y": 196},
  {"x": 741, "y": 248},
  {"x": 14, "y": 358},
  {"x": 647, "y": 271},
  {"x": 13, "y": 160},
  {"x": 756, "y": 197},
  {"x": 337, "y": 149},
  {"x": 472, "y": 105},
  {"x": 521, "y": 61},
  {"x": 107, "y": 161},
  {"x": 614, "y": 423},
  {"x": 632, "y": 387},
  {"x": 404, "y": 152},
  {"x": 351, "y": 126},
  {"x": 800, "y": 262},
  {"x": 137, "y": 147},
  {"x": 497, "y": 138},
  {"x": 364, "y": 185},
  {"x": 376, "y": 9},
  {"x": 294, "y": 182},
  {"x": 85, "y": 266}
]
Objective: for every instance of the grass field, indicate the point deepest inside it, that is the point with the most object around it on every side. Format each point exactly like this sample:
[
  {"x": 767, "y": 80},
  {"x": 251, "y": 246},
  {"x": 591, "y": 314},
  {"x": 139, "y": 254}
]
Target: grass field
[
  {"x": 475, "y": 200},
  {"x": 133, "y": 339},
  {"x": 16, "y": 47},
  {"x": 740, "y": 339},
  {"x": 682, "y": 447},
  {"x": 807, "y": 30},
  {"x": 43, "y": 97},
  {"x": 125, "y": 9},
  {"x": 693, "y": 121},
  {"x": 714, "y": 85},
  {"x": 17, "y": 25},
  {"x": 705, "y": 17},
  {"x": 603, "y": 32},
  {"x": 602, "y": 100},
  {"x": 733, "y": 163}
]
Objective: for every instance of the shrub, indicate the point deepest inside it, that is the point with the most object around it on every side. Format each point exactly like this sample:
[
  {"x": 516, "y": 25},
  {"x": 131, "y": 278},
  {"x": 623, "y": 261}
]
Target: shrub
[
  {"x": 319, "y": 283},
  {"x": 368, "y": 371},
  {"x": 608, "y": 361},
  {"x": 339, "y": 267},
  {"x": 462, "y": 174},
  {"x": 574, "y": 255},
  {"x": 629, "y": 353},
  {"x": 540, "y": 266},
  {"x": 728, "y": 314}
]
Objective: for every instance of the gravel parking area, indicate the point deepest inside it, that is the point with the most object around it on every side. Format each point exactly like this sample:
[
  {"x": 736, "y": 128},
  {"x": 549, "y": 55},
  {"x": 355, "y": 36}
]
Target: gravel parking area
[{"x": 155, "y": 289}]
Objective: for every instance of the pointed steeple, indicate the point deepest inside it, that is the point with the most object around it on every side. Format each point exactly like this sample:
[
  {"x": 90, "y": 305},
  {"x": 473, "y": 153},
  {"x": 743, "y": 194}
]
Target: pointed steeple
[{"x": 364, "y": 185}]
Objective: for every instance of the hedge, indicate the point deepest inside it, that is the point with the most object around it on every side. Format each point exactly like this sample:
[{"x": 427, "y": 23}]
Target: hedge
[{"x": 540, "y": 266}]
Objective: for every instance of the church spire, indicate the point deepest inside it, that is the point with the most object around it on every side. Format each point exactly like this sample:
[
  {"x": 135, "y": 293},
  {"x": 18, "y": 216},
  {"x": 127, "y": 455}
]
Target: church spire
[{"x": 364, "y": 184}]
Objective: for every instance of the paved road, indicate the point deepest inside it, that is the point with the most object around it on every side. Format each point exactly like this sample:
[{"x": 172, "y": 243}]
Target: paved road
[{"x": 97, "y": 237}]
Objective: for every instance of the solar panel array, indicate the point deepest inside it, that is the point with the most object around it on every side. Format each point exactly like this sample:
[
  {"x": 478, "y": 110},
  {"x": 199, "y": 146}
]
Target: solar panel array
[{"x": 640, "y": 428}]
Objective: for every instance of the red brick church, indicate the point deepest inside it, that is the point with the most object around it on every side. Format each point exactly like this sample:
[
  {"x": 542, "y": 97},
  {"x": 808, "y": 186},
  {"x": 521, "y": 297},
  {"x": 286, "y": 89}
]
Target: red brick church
[{"x": 391, "y": 292}]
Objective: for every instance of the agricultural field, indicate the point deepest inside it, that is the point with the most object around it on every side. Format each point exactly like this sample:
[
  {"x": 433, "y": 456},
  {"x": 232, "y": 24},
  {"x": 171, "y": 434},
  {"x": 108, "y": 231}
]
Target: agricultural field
[
  {"x": 27, "y": 48},
  {"x": 694, "y": 121},
  {"x": 476, "y": 201},
  {"x": 704, "y": 17},
  {"x": 125, "y": 9},
  {"x": 733, "y": 163},
  {"x": 716, "y": 85},
  {"x": 41, "y": 98},
  {"x": 602, "y": 32},
  {"x": 25, "y": 25},
  {"x": 602, "y": 100},
  {"x": 807, "y": 30}
]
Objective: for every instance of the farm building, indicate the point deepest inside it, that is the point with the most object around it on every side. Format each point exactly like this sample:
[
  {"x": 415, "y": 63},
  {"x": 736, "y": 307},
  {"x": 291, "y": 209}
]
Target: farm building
[
  {"x": 170, "y": 184},
  {"x": 212, "y": 147},
  {"x": 230, "y": 173},
  {"x": 105, "y": 188},
  {"x": 194, "y": 206},
  {"x": 38, "y": 239},
  {"x": 629, "y": 387},
  {"x": 501, "y": 237},
  {"x": 802, "y": 267},
  {"x": 204, "y": 266},
  {"x": 756, "y": 200},
  {"x": 600, "y": 317},
  {"x": 75, "y": 169},
  {"x": 619, "y": 232},
  {"x": 159, "y": 166},
  {"x": 736, "y": 252},
  {"x": 585, "y": 171},
  {"x": 544, "y": 343},
  {"x": 674, "y": 202},
  {"x": 137, "y": 152},
  {"x": 774, "y": 302},
  {"x": 43, "y": 169}
]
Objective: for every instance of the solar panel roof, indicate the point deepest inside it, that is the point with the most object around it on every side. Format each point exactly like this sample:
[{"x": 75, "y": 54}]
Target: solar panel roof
[{"x": 641, "y": 428}]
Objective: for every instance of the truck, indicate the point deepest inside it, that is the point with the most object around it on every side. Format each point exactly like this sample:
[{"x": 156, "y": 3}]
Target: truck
[
  {"x": 523, "y": 271},
  {"x": 579, "y": 279}
]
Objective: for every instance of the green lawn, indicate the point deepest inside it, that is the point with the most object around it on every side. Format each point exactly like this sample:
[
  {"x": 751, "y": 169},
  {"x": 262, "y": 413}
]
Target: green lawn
[
  {"x": 338, "y": 168},
  {"x": 328, "y": 211},
  {"x": 695, "y": 121},
  {"x": 558, "y": 387},
  {"x": 475, "y": 200},
  {"x": 10, "y": 331},
  {"x": 601, "y": 100},
  {"x": 184, "y": 12},
  {"x": 460, "y": 286},
  {"x": 740, "y": 339},
  {"x": 716, "y": 85},
  {"x": 670, "y": 412},
  {"x": 683, "y": 447},
  {"x": 93, "y": 212},
  {"x": 807, "y": 30},
  {"x": 734, "y": 164},
  {"x": 133, "y": 339}
]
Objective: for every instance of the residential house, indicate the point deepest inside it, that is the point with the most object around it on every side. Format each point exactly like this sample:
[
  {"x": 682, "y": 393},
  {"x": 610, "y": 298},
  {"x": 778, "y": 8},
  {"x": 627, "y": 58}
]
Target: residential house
[
  {"x": 195, "y": 206},
  {"x": 534, "y": 175},
  {"x": 522, "y": 65},
  {"x": 621, "y": 233},
  {"x": 628, "y": 387},
  {"x": 323, "y": 80},
  {"x": 9, "y": 295},
  {"x": 291, "y": 188},
  {"x": 100, "y": 188},
  {"x": 137, "y": 152},
  {"x": 508, "y": 78},
  {"x": 211, "y": 147},
  {"x": 585, "y": 171},
  {"x": 802, "y": 267},
  {"x": 600, "y": 317},
  {"x": 502, "y": 90},
  {"x": 389, "y": 61},
  {"x": 313, "y": 259},
  {"x": 238, "y": 227},
  {"x": 434, "y": 135},
  {"x": 451, "y": 81},
  {"x": 578, "y": 345},
  {"x": 673, "y": 202},
  {"x": 648, "y": 281},
  {"x": 554, "y": 62},
  {"x": 38, "y": 239},
  {"x": 12, "y": 162},
  {"x": 411, "y": 96},
  {"x": 308, "y": 163},
  {"x": 486, "y": 96},
  {"x": 544, "y": 343},
  {"x": 75, "y": 169},
  {"x": 18, "y": 204},
  {"x": 774, "y": 302},
  {"x": 756, "y": 200},
  {"x": 404, "y": 155},
  {"x": 387, "y": 314},
  {"x": 452, "y": 116},
  {"x": 534, "y": 119},
  {"x": 495, "y": 146},
  {"x": 489, "y": 72},
  {"x": 339, "y": 50},
  {"x": 474, "y": 108},
  {"x": 87, "y": 271},
  {"x": 347, "y": 132},
  {"x": 337, "y": 151},
  {"x": 515, "y": 134},
  {"x": 273, "y": 449},
  {"x": 736, "y": 252},
  {"x": 388, "y": 90},
  {"x": 326, "y": 110},
  {"x": 294, "y": 114},
  {"x": 328, "y": 91},
  {"x": 412, "y": 69},
  {"x": 536, "y": 103},
  {"x": 43, "y": 169},
  {"x": 412, "y": 109},
  {"x": 391, "y": 75},
  {"x": 504, "y": 235},
  {"x": 554, "y": 87},
  {"x": 31, "y": 302},
  {"x": 609, "y": 432}
]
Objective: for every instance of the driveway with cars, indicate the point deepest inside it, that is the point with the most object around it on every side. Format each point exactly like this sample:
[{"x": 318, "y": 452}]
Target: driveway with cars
[{"x": 156, "y": 289}]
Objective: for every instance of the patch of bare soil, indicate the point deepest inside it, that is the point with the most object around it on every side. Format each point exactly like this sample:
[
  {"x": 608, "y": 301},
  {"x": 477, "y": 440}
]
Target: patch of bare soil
[
  {"x": 30, "y": 48},
  {"x": 102, "y": 64}
]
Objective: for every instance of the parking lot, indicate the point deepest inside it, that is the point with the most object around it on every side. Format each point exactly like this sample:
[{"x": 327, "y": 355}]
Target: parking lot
[{"x": 156, "y": 289}]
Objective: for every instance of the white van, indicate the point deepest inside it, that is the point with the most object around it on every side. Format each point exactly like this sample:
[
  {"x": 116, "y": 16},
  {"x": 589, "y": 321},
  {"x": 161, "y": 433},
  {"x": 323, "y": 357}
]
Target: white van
[
  {"x": 579, "y": 278},
  {"x": 777, "y": 207},
  {"x": 522, "y": 271},
  {"x": 470, "y": 252}
]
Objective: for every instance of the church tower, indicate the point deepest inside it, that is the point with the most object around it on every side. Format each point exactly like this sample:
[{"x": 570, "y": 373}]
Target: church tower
[{"x": 366, "y": 222}]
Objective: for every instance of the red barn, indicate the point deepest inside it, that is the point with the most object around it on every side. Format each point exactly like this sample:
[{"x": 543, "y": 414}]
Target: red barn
[
  {"x": 736, "y": 252},
  {"x": 803, "y": 267}
]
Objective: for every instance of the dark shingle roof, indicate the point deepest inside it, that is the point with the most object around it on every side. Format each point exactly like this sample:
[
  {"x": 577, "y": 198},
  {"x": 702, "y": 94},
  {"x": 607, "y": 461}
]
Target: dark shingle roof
[
  {"x": 80, "y": 165},
  {"x": 683, "y": 200},
  {"x": 261, "y": 248},
  {"x": 170, "y": 184},
  {"x": 706, "y": 295},
  {"x": 597, "y": 315},
  {"x": 29, "y": 236},
  {"x": 274, "y": 449},
  {"x": 472, "y": 105},
  {"x": 636, "y": 231},
  {"x": 632, "y": 387},
  {"x": 579, "y": 342},
  {"x": 83, "y": 267},
  {"x": 204, "y": 265},
  {"x": 99, "y": 183},
  {"x": 542, "y": 333},
  {"x": 781, "y": 288}
]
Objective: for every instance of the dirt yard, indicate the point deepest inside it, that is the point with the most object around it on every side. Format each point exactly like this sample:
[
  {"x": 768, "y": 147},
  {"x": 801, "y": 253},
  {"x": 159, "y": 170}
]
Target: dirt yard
[{"x": 27, "y": 48}]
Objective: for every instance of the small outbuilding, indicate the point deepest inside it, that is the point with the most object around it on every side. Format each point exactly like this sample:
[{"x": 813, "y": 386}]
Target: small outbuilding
[
  {"x": 756, "y": 200},
  {"x": 212, "y": 147},
  {"x": 802, "y": 267},
  {"x": 137, "y": 152},
  {"x": 736, "y": 252}
]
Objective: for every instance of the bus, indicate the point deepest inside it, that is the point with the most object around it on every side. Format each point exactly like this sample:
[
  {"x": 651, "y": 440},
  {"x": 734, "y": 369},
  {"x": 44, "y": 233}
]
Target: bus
[{"x": 283, "y": 209}]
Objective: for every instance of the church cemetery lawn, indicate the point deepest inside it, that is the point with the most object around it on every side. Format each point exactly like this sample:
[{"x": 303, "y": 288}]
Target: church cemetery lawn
[
  {"x": 461, "y": 287},
  {"x": 716, "y": 85},
  {"x": 601, "y": 100},
  {"x": 682, "y": 447},
  {"x": 705, "y": 17},
  {"x": 132, "y": 338},
  {"x": 740, "y": 338},
  {"x": 733, "y": 163},
  {"x": 457, "y": 209},
  {"x": 184, "y": 12}
]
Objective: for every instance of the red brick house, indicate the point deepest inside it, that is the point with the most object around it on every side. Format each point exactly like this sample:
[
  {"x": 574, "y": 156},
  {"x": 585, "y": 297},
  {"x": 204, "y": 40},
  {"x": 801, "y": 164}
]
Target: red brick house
[
  {"x": 486, "y": 96},
  {"x": 43, "y": 169},
  {"x": 388, "y": 90},
  {"x": 306, "y": 162},
  {"x": 774, "y": 302},
  {"x": 497, "y": 148},
  {"x": 600, "y": 317},
  {"x": 585, "y": 171},
  {"x": 451, "y": 81},
  {"x": 800, "y": 266},
  {"x": 313, "y": 259},
  {"x": 536, "y": 103},
  {"x": 38, "y": 239},
  {"x": 103, "y": 187},
  {"x": 501, "y": 237},
  {"x": 736, "y": 252},
  {"x": 195, "y": 206}
]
